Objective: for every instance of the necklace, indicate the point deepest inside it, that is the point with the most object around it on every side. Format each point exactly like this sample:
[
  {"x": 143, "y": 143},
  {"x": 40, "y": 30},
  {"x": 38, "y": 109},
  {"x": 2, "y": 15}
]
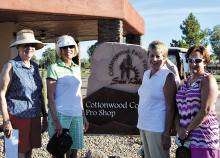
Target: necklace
[{"x": 192, "y": 81}]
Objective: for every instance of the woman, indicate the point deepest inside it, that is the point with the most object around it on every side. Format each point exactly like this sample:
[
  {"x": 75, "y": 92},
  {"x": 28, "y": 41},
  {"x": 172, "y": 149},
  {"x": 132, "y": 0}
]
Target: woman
[
  {"x": 157, "y": 103},
  {"x": 21, "y": 95},
  {"x": 196, "y": 106},
  {"x": 64, "y": 94}
]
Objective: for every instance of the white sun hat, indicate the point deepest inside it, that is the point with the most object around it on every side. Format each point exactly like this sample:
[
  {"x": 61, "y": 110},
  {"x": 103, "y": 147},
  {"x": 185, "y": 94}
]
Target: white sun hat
[
  {"x": 27, "y": 36},
  {"x": 63, "y": 41}
]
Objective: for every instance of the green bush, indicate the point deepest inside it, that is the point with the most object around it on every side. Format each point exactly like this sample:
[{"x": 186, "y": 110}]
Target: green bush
[{"x": 217, "y": 77}]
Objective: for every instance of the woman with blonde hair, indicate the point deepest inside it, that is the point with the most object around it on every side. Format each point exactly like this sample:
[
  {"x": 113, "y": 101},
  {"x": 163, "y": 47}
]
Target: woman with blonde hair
[
  {"x": 157, "y": 103},
  {"x": 64, "y": 94}
]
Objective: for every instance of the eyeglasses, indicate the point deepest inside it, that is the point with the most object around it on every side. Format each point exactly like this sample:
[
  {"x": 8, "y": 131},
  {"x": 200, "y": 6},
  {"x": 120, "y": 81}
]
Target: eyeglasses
[
  {"x": 70, "y": 47},
  {"x": 195, "y": 60},
  {"x": 29, "y": 45}
]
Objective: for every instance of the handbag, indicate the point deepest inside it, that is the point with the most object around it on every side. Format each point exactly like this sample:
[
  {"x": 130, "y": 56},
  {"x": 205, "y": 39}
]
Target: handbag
[
  {"x": 183, "y": 151},
  {"x": 58, "y": 146}
]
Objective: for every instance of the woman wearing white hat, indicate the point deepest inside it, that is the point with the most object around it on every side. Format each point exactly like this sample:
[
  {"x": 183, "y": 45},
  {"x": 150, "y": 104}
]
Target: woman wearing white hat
[
  {"x": 21, "y": 96},
  {"x": 64, "y": 94}
]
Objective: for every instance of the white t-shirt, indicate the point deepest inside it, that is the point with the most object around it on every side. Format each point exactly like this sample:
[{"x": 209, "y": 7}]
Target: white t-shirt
[
  {"x": 152, "y": 107},
  {"x": 68, "y": 88}
]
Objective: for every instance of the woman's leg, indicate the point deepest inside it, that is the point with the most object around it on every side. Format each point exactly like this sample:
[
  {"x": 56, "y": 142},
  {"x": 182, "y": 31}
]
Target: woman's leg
[
  {"x": 25, "y": 155},
  {"x": 73, "y": 153},
  {"x": 21, "y": 155},
  {"x": 28, "y": 154}
]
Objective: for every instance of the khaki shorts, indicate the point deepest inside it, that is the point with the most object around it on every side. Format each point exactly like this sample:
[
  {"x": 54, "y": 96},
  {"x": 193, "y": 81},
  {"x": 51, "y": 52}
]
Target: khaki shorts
[{"x": 152, "y": 143}]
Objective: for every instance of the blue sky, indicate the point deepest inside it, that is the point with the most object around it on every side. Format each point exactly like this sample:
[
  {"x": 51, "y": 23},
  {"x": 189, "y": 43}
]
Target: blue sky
[{"x": 163, "y": 18}]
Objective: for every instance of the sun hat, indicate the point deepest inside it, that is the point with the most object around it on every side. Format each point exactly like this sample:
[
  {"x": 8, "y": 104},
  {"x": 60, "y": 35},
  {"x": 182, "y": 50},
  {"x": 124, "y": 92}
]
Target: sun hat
[
  {"x": 27, "y": 36},
  {"x": 63, "y": 41}
]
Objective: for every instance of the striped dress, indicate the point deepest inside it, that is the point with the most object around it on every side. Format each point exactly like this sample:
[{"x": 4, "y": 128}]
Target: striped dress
[{"x": 188, "y": 102}]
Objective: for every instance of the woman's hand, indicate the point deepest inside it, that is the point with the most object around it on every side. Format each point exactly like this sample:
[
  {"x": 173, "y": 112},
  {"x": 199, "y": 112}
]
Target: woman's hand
[
  {"x": 57, "y": 127},
  {"x": 8, "y": 129},
  {"x": 85, "y": 124},
  {"x": 166, "y": 142},
  {"x": 183, "y": 133}
]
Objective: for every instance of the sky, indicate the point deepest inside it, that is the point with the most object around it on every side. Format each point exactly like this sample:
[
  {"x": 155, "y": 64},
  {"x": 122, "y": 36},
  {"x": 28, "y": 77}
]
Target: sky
[{"x": 164, "y": 17}]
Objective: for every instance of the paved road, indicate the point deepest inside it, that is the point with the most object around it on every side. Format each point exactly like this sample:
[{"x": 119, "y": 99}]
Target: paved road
[{"x": 84, "y": 87}]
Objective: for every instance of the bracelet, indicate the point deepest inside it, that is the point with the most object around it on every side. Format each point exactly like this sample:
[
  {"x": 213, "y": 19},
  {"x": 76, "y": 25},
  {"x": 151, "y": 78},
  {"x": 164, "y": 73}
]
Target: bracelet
[
  {"x": 166, "y": 135},
  {"x": 7, "y": 121}
]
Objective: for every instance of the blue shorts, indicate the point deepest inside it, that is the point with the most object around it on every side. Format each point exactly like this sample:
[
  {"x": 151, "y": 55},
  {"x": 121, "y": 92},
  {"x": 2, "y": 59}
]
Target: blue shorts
[{"x": 75, "y": 126}]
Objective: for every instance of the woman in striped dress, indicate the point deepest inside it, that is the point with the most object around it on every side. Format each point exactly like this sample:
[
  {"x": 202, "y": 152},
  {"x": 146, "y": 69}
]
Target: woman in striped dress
[{"x": 196, "y": 117}]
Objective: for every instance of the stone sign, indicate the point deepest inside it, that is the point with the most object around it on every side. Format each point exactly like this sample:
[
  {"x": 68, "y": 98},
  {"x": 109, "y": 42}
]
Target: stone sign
[
  {"x": 117, "y": 66},
  {"x": 112, "y": 100}
]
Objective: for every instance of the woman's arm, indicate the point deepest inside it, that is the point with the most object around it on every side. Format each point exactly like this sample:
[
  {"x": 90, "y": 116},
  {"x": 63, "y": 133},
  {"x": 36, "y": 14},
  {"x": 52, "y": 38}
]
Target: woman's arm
[
  {"x": 5, "y": 81},
  {"x": 170, "y": 97},
  {"x": 44, "y": 112},
  {"x": 51, "y": 89},
  {"x": 85, "y": 122},
  {"x": 209, "y": 93},
  {"x": 183, "y": 133}
]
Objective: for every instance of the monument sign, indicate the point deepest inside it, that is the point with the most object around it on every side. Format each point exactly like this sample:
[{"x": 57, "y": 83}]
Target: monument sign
[{"x": 112, "y": 101}]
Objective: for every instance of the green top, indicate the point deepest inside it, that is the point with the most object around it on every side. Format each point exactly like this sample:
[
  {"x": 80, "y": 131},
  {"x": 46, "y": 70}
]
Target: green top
[{"x": 59, "y": 68}]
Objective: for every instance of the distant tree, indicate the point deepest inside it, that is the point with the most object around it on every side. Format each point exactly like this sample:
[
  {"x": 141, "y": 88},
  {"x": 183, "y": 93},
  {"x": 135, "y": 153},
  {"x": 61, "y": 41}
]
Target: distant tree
[
  {"x": 213, "y": 57},
  {"x": 49, "y": 57},
  {"x": 85, "y": 63},
  {"x": 34, "y": 59},
  {"x": 192, "y": 34},
  {"x": 214, "y": 38},
  {"x": 91, "y": 49},
  {"x": 41, "y": 63}
]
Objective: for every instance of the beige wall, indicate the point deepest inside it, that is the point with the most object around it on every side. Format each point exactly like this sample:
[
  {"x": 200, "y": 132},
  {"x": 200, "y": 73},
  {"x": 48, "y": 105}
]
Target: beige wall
[{"x": 6, "y": 39}]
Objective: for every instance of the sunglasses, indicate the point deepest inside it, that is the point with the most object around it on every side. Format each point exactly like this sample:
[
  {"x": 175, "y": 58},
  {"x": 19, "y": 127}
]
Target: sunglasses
[
  {"x": 66, "y": 47},
  {"x": 195, "y": 60},
  {"x": 29, "y": 45}
]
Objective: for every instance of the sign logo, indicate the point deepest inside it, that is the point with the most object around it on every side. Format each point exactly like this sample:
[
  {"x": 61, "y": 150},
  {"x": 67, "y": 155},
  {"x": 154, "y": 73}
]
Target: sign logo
[{"x": 129, "y": 72}]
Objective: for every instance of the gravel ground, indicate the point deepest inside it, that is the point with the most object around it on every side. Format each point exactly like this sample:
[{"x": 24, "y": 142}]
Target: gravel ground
[{"x": 109, "y": 145}]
